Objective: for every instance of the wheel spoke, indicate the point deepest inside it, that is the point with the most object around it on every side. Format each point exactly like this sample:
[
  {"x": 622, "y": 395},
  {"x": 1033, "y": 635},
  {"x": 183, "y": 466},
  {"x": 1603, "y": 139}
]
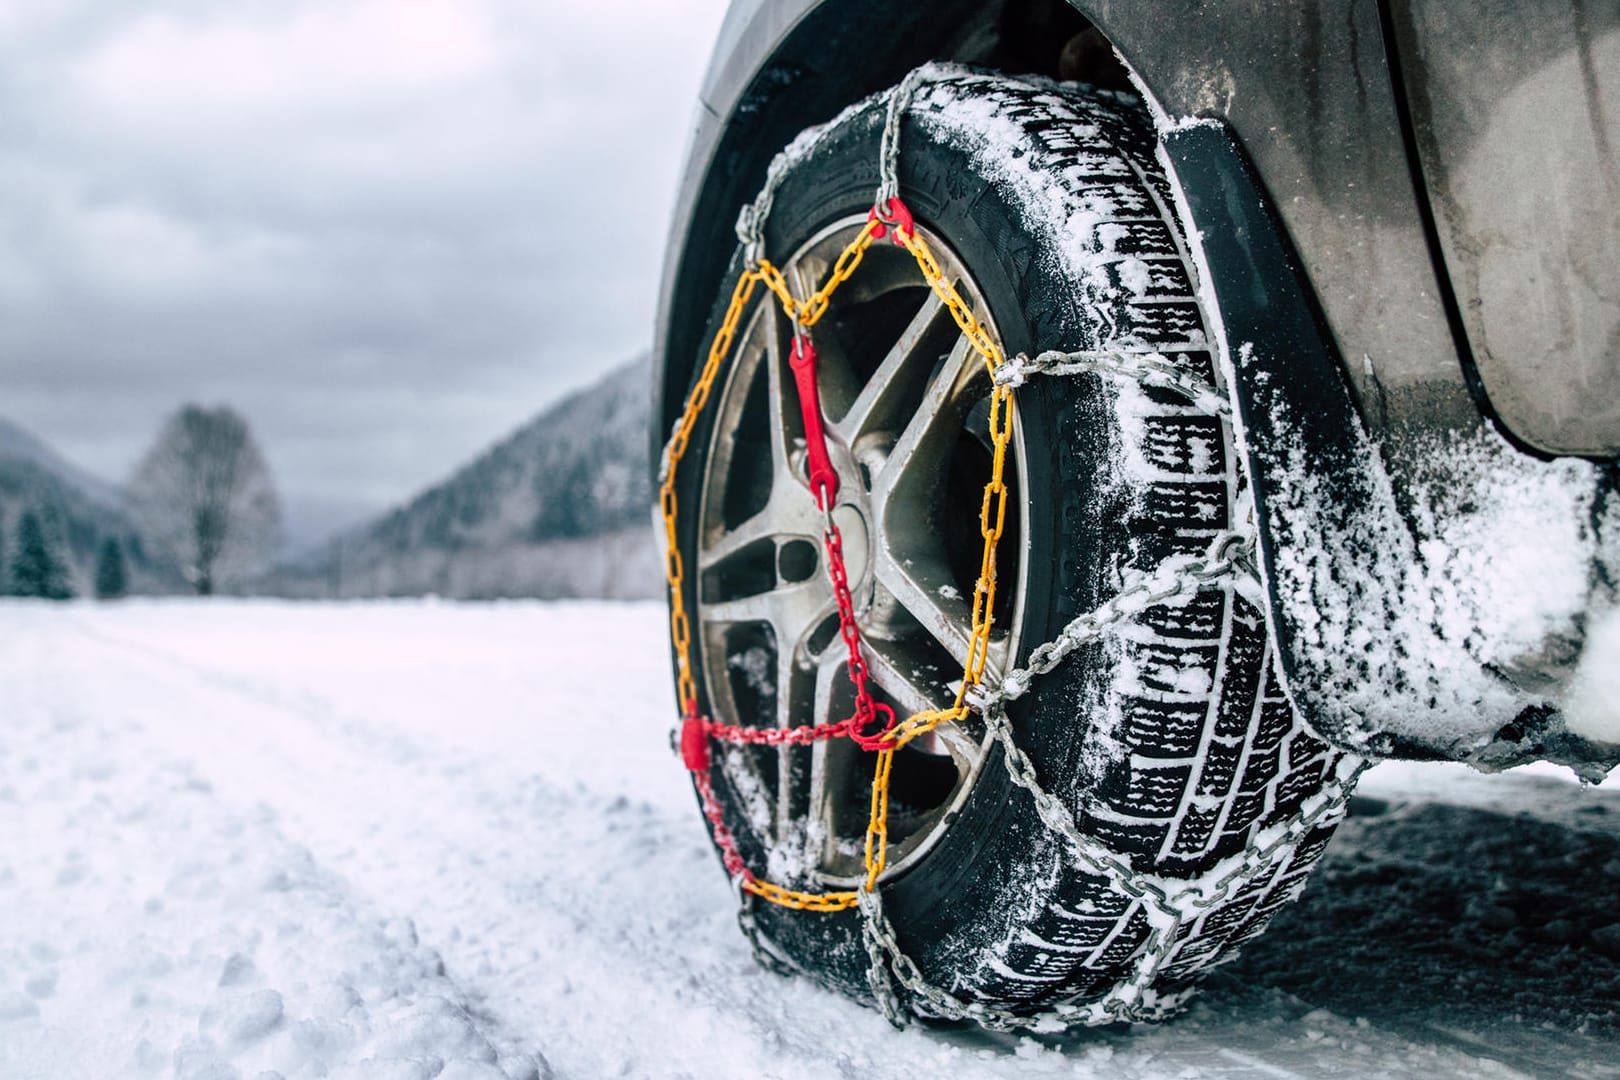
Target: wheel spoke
[
  {"x": 823, "y": 778},
  {"x": 791, "y": 610},
  {"x": 877, "y": 397},
  {"x": 950, "y": 737},
  {"x": 795, "y": 678},
  {"x": 795, "y": 694},
  {"x": 920, "y": 451},
  {"x": 925, "y": 591},
  {"x": 759, "y": 527},
  {"x": 915, "y": 685},
  {"x": 786, "y": 425},
  {"x": 912, "y": 681}
]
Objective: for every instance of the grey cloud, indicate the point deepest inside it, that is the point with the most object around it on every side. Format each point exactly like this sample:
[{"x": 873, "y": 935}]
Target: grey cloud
[{"x": 382, "y": 282}]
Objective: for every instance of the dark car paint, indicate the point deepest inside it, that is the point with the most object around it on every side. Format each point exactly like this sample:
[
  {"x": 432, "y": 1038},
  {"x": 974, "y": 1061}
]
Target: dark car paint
[{"x": 1515, "y": 117}]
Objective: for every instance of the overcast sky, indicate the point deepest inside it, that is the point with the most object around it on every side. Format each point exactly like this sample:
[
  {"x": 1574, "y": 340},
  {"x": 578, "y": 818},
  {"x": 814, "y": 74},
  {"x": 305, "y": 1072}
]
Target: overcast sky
[{"x": 387, "y": 231}]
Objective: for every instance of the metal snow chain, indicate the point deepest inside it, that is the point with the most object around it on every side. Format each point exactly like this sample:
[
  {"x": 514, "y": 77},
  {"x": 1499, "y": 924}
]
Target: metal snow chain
[
  {"x": 751, "y": 219},
  {"x": 1147, "y": 368},
  {"x": 1178, "y": 577},
  {"x": 753, "y": 216},
  {"x": 878, "y": 937},
  {"x": 1260, "y": 855},
  {"x": 889, "y": 151},
  {"x": 1127, "y": 1000},
  {"x": 749, "y": 926},
  {"x": 886, "y": 953}
]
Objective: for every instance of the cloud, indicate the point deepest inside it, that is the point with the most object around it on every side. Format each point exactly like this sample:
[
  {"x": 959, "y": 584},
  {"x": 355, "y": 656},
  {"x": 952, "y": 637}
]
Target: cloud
[
  {"x": 386, "y": 231},
  {"x": 307, "y": 65}
]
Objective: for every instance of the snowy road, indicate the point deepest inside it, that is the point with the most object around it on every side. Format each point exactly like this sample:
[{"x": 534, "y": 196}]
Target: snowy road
[{"x": 420, "y": 840}]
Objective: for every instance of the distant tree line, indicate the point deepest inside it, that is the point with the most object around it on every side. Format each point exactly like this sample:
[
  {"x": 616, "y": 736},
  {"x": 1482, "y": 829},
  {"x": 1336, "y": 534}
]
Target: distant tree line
[{"x": 38, "y": 566}]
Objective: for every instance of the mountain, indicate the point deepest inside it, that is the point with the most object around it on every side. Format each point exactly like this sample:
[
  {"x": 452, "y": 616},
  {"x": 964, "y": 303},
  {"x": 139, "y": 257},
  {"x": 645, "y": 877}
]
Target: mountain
[
  {"x": 19, "y": 444},
  {"x": 560, "y": 508},
  {"x": 78, "y": 509}
]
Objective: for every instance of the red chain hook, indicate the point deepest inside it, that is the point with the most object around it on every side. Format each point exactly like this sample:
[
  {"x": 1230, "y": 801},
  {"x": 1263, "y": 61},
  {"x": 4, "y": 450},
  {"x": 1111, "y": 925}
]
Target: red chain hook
[{"x": 824, "y": 486}]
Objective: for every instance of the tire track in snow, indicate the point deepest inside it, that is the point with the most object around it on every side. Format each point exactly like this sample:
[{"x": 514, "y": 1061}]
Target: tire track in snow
[{"x": 157, "y": 930}]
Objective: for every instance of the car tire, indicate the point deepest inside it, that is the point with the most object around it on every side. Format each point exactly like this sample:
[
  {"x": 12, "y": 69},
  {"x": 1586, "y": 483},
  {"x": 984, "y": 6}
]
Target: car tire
[{"x": 1170, "y": 739}]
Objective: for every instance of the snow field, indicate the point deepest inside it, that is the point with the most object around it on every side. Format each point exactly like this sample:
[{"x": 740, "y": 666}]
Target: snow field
[
  {"x": 155, "y": 929},
  {"x": 254, "y": 840}
]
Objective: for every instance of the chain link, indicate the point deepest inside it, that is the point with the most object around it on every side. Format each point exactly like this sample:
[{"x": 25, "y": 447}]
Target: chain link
[
  {"x": 749, "y": 925},
  {"x": 889, "y": 149},
  {"x": 1177, "y": 578},
  {"x": 751, "y": 219},
  {"x": 1146, "y": 368},
  {"x": 1129, "y": 999},
  {"x": 802, "y": 735}
]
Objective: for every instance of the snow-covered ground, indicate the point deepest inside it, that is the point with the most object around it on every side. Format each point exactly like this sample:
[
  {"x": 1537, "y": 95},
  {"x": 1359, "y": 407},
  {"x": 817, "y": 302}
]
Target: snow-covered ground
[{"x": 422, "y": 840}]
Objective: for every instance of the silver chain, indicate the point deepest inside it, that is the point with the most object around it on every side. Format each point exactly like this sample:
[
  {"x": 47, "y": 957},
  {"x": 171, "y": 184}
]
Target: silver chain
[
  {"x": 1147, "y": 368},
  {"x": 1168, "y": 904},
  {"x": 1130, "y": 999},
  {"x": 751, "y": 219},
  {"x": 889, "y": 149},
  {"x": 753, "y": 216},
  {"x": 1178, "y": 577},
  {"x": 764, "y": 956}
]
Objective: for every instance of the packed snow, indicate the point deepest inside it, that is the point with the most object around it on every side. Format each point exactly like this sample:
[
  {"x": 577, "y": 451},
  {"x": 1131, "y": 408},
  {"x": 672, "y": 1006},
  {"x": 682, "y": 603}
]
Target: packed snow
[{"x": 391, "y": 840}]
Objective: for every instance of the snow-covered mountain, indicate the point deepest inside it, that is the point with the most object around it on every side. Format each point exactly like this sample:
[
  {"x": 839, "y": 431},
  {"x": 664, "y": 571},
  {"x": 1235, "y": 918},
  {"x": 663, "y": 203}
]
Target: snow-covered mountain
[
  {"x": 78, "y": 510},
  {"x": 17, "y": 443},
  {"x": 560, "y": 508}
]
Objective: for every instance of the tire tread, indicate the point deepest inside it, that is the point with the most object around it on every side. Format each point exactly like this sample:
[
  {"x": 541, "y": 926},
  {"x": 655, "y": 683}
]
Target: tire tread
[{"x": 1197, "y": 774}]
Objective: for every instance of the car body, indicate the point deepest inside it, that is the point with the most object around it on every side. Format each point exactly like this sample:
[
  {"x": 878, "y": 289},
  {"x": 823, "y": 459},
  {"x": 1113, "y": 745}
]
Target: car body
[{"x": 1408, "y": 218}]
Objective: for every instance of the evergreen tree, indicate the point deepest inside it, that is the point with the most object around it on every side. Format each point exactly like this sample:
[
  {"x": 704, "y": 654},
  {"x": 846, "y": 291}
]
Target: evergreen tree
[
  {"x": 112, "y": 573},
  {"x": 35, "y": 569}
]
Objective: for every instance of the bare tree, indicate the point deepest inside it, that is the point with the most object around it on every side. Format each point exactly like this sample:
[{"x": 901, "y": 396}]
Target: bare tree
[{"x": 204, "y": 493}]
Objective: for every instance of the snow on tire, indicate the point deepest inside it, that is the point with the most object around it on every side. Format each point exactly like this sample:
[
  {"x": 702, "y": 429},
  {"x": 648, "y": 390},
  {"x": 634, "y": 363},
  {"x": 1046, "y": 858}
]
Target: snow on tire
[{"x": 1170, "y": 739}]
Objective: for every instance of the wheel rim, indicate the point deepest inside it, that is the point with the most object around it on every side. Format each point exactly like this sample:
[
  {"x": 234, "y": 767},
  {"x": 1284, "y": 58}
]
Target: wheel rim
[{"x": 905, "y": 397}]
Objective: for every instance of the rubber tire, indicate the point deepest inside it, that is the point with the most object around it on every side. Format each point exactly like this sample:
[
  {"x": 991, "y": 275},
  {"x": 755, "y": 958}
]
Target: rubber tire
[{"x": 1120, "y": 478}]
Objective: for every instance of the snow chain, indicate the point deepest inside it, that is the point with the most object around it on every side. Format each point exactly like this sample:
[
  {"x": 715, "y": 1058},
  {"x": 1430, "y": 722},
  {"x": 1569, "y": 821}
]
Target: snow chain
[{"x": 1170, "y": 904}]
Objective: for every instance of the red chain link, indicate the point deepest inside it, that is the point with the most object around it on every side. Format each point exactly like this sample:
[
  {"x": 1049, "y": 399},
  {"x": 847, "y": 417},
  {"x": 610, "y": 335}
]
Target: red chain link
[
  {"x": 796, "y": 736},
  {"x": 865, "y": 708},
  {"x": 723, "y": 839}
]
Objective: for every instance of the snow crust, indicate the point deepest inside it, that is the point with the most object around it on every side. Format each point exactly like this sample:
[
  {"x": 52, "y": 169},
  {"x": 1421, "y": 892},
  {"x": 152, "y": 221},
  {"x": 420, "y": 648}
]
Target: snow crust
[
  {"x": 1592, "y": 704},
  {"x": 375, "y": 840},
  {"x": 1075, "y": 230},
  {"x": 1456, "y": 599}
]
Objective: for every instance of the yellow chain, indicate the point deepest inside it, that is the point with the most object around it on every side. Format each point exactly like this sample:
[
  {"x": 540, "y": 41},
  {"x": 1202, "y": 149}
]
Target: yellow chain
[
  {"x": 814, "y": 308},
  {"x": 800, "y": 901},
  {"x": 774, "y": 281},
  {"x": 992, "y": 521},
  {"x": 680, "y": 628},
  {"x": 991, "y": 525}
]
